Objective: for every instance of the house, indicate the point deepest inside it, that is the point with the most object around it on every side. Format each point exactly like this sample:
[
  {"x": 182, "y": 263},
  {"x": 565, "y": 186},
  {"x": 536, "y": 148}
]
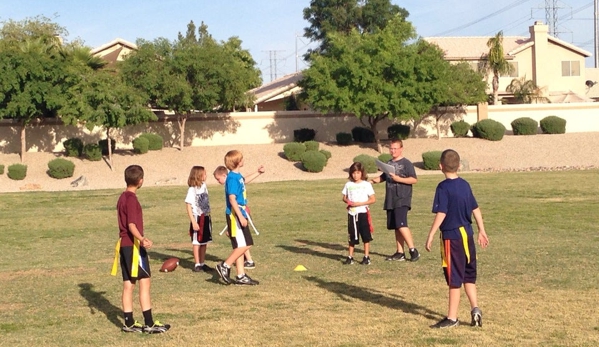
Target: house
[
  {"x": 275, "y": 96},
  {"x": 114, "y": 51},
  {"x": 556, "y": 66}
]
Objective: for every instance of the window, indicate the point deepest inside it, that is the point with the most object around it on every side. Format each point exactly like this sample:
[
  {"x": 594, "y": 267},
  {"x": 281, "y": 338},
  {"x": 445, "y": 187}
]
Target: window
[
  {"x": 571, "y": 68},
  {"x": 514, "y": 72}
]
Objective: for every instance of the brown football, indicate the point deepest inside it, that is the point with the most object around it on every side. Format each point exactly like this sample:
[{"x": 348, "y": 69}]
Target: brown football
[{"x": 169, "y": 265}]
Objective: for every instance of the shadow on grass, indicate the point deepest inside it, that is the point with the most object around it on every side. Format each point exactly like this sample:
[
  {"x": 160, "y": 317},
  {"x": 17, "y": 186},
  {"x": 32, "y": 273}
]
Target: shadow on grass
[
  {"x": 304, "y": 250},
  {"x": 97, "y": 302},
  {"x": 335, "y": 247},
  {"x": 346, "y": 291}
]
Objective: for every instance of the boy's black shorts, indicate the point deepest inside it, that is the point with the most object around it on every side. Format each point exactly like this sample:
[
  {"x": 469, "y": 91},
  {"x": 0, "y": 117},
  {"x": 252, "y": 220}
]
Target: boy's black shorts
[
  {"x": 362, "y": 223},
  {"x": 397, "y": 218},
  {"x": 126, "y": 257}
]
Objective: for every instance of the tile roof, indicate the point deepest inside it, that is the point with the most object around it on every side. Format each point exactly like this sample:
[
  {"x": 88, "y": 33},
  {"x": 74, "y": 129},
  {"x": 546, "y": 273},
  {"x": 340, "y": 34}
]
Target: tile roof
[
  {"x": 473, "y": 47},
  {"x": 276, "y": 87}
]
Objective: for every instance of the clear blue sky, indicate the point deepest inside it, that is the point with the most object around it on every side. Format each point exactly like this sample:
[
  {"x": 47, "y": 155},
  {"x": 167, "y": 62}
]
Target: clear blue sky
[{"x": 272, "y": 29}]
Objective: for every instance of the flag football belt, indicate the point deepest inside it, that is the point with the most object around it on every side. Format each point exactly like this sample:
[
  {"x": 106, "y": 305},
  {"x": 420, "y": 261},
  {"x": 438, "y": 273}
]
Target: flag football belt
[
  {"x": 134, "y": 259},
  {"x": 201, "y": 223}
]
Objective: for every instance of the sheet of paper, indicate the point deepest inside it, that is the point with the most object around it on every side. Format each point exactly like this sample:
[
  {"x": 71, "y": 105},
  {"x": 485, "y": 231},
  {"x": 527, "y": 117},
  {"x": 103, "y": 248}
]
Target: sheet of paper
[{"x": 386, "y": 168}]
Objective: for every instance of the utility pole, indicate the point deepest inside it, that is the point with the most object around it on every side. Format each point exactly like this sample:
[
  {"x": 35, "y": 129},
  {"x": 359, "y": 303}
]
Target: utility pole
[
  {"x": 551, "y": 16},
  {"x": 272, "y": 58}
]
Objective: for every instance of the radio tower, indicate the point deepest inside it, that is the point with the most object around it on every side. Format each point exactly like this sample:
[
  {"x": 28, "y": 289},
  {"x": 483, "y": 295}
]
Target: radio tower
[{"x": 551, "y": 16}]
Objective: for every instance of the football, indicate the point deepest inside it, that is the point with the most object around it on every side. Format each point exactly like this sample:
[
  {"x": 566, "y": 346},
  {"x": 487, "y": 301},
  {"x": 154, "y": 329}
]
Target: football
[{"x": 169, "y": 265}]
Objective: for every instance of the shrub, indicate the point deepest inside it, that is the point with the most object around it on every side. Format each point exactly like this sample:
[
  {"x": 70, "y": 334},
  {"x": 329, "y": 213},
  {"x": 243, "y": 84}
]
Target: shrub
[
  {"x": 294, "y": 150},
  {"x": 313, "y": 161},
  {"x": 385, "y": 157},
  {"x": 73, "y": 147},
  {"x": 431, "y": 160},
  {"x": 524, "y": 126},
  {"x": 92, "y": 152},
  {"x": 460, "y": 128},
  {"x": 344, "y": 139},
  {"x": 553, "y": 125},
  {"x": 141, "y": 145},
  {"x": 1, "y": 169},
  {"x": 60, "y": 168},
  {"x": 104, "y": 146},
  {"x": 326, "y": 153},
  {"x": 312, "y": 145},
  {"x": 398, "y": 131},
  {"x": 361, "y": 134},
  {"x": 488, "y": 129},
  {"x": 304, "y": 134},
  {"x": 155, "y": 141},
  {"x": 17, "y": 172},
  {"x": 367, "y": 161}
]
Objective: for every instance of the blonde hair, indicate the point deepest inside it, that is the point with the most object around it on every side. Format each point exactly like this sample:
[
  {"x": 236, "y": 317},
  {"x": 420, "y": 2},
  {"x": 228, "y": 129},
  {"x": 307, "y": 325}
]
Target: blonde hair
[
  {"x": 220, "y": 170},
  {"x": 196, "y": 176},
  {"x": 232, "y": 159}
]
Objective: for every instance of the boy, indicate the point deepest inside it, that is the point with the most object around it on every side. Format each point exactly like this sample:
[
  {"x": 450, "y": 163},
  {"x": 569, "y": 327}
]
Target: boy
[
  {"x": 454, "y": 205},
  {"x": 398, "y": 200},
  {"x": 131, "y": 250},
  {"x": 237, "y": 223}
]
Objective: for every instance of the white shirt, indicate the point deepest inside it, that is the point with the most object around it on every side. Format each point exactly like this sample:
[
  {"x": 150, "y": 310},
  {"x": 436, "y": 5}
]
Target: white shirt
[
  {"x": 358, "y": 192},
  {"x": 198, "y": 199}
]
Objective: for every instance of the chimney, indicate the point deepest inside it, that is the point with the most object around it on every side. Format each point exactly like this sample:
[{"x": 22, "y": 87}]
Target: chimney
[{"x": 540, "y": 52}]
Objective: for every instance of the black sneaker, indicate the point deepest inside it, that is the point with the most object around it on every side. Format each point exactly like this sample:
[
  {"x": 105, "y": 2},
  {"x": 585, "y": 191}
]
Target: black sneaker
[
  {"x": 249, "y": 265},
  {"x": 246, "y": 280},
  {"x": 365, "y": 261},
  {"x": 134, "y": 328},
  {"x": 414, "y": 255},
  {"x": 445, "y": 323},
  {"x": 396, "y": 257},
  {"x": 197, "y": 268},
  {"x": 224, "y": 272},
  {"x": 157, "y": 328},
  {"x": 477, "y": 317},
  {"x": 207, "y": 268},
  {"x": 349, "y": 261}
]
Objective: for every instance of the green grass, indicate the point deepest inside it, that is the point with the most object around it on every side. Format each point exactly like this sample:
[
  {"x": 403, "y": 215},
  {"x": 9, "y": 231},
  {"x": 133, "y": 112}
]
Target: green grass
[{"x": 537, "y": 280}]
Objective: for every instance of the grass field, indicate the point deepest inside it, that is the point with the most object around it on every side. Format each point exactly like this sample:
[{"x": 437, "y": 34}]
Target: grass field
[{"x": 537, "y": 280}]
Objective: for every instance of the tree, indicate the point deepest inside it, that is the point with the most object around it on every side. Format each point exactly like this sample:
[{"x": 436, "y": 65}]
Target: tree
[
  {"x": 496, "y": 62},
  {"x": 376, "y": 76},
  {"x": 526, "y": 91}
]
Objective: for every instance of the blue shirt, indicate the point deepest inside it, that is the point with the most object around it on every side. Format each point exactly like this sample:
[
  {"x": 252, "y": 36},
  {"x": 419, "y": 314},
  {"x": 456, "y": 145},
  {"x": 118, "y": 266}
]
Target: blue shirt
[
  {"x": 235, "y": 185},
  {"x": 454, "y": 198}
]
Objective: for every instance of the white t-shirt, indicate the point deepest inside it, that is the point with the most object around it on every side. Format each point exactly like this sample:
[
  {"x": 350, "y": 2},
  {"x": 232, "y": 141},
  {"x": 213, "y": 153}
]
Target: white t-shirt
[
  {"x": 358, "y": 192},
  {"x": 198, "y": 199}
]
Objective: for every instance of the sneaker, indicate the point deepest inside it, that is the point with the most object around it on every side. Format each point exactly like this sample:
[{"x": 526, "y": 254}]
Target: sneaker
[
  {"x": 134, "y": 328},
  {"x": 445, "y": 323},
  {"x": 197, "y": 268},
  {"x": 157, "y": 328},
  {"x": 477, "y": 317},
  {"x": 365, "y": 261},
  {"x": 207, "y": 268},
  {"x": 414, "y": 255},
  {"x": 396, "y": 257},
  {"x": 246, "y": 280},
  {"x": 249, "y": 265},
  {"x": 224, "y": 272},
  {"x": 349, "y": 261}
]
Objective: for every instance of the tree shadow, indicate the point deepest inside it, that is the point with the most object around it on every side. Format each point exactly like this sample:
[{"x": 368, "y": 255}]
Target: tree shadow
[
  {"x": 346, "y": 291},
  {"x": 335, "y": 247},
  {"x": 97, "y": 302},
  {"x": 308, "y": 251}
]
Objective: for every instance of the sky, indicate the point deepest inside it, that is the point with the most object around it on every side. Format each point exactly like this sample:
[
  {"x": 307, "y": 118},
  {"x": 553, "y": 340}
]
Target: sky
[{"x": 272, "y": 30}]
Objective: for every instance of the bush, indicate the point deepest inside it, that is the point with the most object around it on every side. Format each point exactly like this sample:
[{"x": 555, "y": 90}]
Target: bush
[
  {"x": 361, "y": 134},
  {"x": 398, "y": 131},
  {"x": 60, "y": 168},
  {"x": 155, "y": 141},
  {"x": 92, "y": 152},
  {"x": 312, "y": 145},
  {"x": 294, "y": 150},
  {"x": 385, "y": 157},
  {"x": 524, "y": 126},
  {"x": 313, "y": 161},
  {"x": 367, "y": 161},
  {"x": 17, "y": 172},
  {"x": 104, "y": 146},
  {"x": 304, "y": 134},
  {"x": 431, "y": 160},
  {"x": 344, "y": 139},
  {"x": 326, "y": 153},
  {"x": 1, "y": 169},
  {"x": 141, "y": 145},
  {"x": 73, "y": 147},
  {"x": 488, "y": 129},
  {"x": 553, "y": 125},
  {"x": 460, "y": 128}
]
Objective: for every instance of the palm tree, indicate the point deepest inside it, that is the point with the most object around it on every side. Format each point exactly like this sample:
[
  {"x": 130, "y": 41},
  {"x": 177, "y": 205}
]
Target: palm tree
[
  {"x": 496, "y": 62},
  {"x": 526, "y": 91}
]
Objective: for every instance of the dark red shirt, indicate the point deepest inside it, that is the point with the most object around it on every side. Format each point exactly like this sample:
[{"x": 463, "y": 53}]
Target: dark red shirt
[{"x": 128, "y": 211}]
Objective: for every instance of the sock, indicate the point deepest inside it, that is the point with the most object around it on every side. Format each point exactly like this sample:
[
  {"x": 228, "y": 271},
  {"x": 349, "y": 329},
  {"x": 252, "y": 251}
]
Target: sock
[
  {"x": 149, "y": 321},
  {"x": 412, "y": 249},
  {"x": 240, "y": 276},
  {"x": 226, "y": 266},
  {"x": 128, "y": 318},
  {"x": 198, "y": 264}
]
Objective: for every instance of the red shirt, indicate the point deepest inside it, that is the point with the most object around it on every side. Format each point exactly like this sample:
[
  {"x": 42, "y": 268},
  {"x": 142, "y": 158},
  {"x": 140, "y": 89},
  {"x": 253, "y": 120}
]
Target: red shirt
[{"x": 128, "y": 211}]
